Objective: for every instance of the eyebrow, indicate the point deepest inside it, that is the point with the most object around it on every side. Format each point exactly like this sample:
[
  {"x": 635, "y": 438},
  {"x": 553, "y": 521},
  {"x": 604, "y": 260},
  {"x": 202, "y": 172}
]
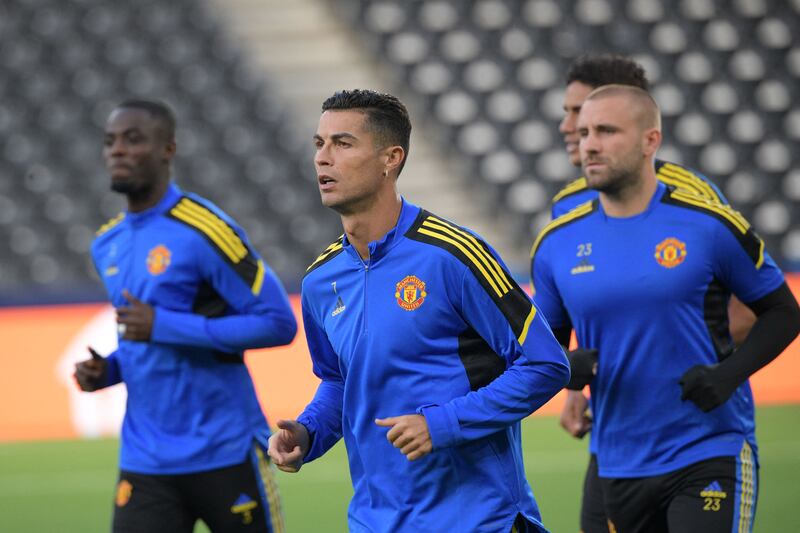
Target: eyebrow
[
  {"x": 337, "y": 136},
  {"x": 129, "y": 130}
]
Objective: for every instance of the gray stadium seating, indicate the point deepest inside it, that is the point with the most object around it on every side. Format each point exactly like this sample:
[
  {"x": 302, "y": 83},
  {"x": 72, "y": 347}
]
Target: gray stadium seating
[
  {"x": 65, "y": 64},
  {"x": 490, "y": 72}
]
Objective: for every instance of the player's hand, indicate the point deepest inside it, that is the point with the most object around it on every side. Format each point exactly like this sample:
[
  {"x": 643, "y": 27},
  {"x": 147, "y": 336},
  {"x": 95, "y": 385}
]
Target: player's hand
[
  {"x": 135, "y": 321},
  {"x": 582, "y": 367},
  {"x": 289, "y": 445},
  {"x": 575, "y": 417},
  {"x": 91, "y": 373},
  {"x": 409, "y": 433},
  {"x": 702, "y": 385}
]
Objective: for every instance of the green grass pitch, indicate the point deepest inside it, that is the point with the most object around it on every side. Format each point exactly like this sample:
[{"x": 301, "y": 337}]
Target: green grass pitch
[{"x": 68, "y": 486}]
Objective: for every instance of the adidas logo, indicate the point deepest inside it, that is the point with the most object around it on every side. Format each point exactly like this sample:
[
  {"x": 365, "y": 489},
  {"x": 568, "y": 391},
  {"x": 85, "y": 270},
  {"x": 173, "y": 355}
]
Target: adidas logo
[
  {"x": 713, "y": 490},
  {"x": 339, "y": 307}
]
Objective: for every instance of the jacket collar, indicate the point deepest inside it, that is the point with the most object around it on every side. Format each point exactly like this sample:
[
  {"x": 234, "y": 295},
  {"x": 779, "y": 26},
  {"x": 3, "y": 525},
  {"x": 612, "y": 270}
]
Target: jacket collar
[
  {"x": 170, "y": 198},
  {"x": 379, "y": 248}
]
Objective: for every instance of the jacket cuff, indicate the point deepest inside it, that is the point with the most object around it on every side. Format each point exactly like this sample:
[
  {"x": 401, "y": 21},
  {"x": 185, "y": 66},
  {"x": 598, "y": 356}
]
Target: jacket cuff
[{"x": 442, "y": 425}]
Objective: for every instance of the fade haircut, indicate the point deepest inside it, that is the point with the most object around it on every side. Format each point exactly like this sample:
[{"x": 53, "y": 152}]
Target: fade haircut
[
  {"x": 386, "y": 116},
  {"x": 161, "y": 111},
  {"x": 607, "y": 69},
  {"x": 642, "y": 103}
]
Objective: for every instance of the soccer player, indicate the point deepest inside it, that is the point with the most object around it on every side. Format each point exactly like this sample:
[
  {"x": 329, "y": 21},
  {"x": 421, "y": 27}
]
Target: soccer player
[
  {"x": 584, "y": 75},
  {"x": 643, "y": 273},
  {"x": 428, "y": 351},
  {"x": 191, "y": 294}
]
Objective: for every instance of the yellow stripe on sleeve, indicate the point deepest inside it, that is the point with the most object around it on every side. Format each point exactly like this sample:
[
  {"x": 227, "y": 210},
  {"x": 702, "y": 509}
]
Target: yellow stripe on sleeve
[
  {"x": 687, "y": 180},
  {"x": 110, "y": 224},
  {"x": 468, "y": 254},
  {"x": 328, "y": 251},
  {"x": 259, "y": 281},
  {"x": 528, "y": 321},
  {"x": 209, "y": 230},
  {"x": 577, "y": 212},
  {"x": 726, "y": 212},
  {"x": 470, "y": 241},
  {"x": 571, "y": 188},
  {"x": 224, "y": 229}
]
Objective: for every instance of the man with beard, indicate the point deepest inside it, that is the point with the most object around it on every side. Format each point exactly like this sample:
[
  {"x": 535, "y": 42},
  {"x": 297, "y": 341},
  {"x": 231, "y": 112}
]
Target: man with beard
[
  {"x": 584, "y": 75},
  {"x": 643, "y": 274}
]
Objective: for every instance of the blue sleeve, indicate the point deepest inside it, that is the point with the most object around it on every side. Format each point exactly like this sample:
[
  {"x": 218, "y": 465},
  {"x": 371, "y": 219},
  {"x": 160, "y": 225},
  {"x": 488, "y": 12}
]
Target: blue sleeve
[
  {"x": 536, "y": 368},
  {"x": 113, "y": 376},
  {"x": 261, "y": 315},
  {"x": 545, "y": 292},
  {"x": 323, "y": 416},
  {"x": 743, "y": 265}
]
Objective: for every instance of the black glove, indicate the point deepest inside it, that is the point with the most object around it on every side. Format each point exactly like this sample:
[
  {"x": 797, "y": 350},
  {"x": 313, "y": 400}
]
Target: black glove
[
  {"x": 706, "y": 387},
  {"x": 583, "y": 367}
]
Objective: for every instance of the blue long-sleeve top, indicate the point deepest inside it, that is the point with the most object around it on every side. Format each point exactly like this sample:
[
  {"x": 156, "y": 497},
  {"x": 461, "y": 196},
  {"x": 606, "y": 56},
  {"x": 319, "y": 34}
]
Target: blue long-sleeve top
[
  {"x": 431, "y": 324},
  {"x": 191, "y": 402}
]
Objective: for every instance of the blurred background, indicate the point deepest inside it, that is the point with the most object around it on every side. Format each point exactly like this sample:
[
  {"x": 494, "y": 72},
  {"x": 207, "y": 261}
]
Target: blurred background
[{"x": 484, "y": 82}]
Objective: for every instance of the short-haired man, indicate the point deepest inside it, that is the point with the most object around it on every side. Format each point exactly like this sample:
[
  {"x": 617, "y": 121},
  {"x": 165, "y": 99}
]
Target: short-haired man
[
  {"x": 191, "y": 294},
  {"x": 584, "y": 75},
  {"x": 428, "y": 351},
  {"x": 643, "y": 273}
]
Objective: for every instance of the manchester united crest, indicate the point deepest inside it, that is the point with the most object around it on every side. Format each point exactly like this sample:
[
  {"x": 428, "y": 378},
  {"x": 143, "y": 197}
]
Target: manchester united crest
[
  {"x": 670, "y": 252},
  {"x": 158, "y": 259},
  {"x": 410, "y": 293}
]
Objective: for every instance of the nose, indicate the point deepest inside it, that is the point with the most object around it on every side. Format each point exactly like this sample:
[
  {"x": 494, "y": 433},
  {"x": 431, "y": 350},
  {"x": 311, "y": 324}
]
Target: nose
[
  {"x": 323, "y": 156},
  {"x": 115, "y": 148},
  {"x": 567, "y": 124},
  {"x": 588, "y": 144}
]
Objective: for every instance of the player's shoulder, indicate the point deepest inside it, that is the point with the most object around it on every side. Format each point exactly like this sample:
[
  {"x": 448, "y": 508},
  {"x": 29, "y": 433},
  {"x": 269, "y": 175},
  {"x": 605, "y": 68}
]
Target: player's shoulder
[
  {"x": 461, "y": 248},
  {"x": 331, "y": 251},
  {"x": 711, "y": 210},
  {"x": 689, "y": 180},
  {"x": 572, "y": 188},
  {"x": 110, "y": 227},
  {"x": 716, "y": 215},
  {"x": 571, "y": 217},
  {"x": 457, "y": 242},
  {"x": 205, "y": 219}
]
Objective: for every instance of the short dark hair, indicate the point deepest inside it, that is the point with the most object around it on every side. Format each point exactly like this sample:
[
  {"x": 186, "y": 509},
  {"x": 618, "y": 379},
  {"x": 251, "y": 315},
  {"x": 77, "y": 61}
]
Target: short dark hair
[
  {"x": 607, "y": 69},
  {"x": 387, "y": 117},
  {"x": 159, "y": 110}
]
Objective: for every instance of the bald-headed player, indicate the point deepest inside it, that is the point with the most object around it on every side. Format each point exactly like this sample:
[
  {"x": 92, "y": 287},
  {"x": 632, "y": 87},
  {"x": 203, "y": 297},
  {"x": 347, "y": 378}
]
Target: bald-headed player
[
  {"x": 643, "y": 273},
  {"x": 584, "y": 75}
]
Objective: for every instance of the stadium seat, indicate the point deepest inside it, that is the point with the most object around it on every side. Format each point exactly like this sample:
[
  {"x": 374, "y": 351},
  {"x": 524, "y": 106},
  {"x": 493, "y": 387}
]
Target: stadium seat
[
  {"x": 721, "y": 35},
  {"x": 720, "y": 97}
]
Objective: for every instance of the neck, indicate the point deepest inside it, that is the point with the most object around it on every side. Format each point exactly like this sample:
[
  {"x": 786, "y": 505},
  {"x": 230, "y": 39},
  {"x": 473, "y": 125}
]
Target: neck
[
  {"x": 138, "y": 202},
  {"x": 632, "y": 199},
  {"x": 373, "y": 222}
]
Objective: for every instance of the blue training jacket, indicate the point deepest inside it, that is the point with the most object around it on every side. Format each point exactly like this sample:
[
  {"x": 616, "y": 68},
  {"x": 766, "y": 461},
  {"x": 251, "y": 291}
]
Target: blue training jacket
[
  {"x": 650, "y": 292},
  {"x": 191, "y": 403},
  {"x": 432, "y": 324}
]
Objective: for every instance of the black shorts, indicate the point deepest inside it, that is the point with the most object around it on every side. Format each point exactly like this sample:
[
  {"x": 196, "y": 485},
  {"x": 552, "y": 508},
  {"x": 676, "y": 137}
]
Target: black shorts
[
  {"x": 239, "y": 498},
  {"x": 706, "y": 497},
  {"x": 593, "y": 514}
]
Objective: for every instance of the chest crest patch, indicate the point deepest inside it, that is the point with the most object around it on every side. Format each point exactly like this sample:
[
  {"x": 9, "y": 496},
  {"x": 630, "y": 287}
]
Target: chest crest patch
[
  {"x": 410, "y": 293},
  {"x": 158, "y": 259},
  {"x": 670, "y": 252}
]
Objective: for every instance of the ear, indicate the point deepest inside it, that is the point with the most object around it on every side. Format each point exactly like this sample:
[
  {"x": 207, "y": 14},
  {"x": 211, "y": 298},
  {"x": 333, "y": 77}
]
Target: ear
[
  {"x": 651, "y": 141},
  {"x": 395, "y": 155},
  {"x": 170, "y": 148}
]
